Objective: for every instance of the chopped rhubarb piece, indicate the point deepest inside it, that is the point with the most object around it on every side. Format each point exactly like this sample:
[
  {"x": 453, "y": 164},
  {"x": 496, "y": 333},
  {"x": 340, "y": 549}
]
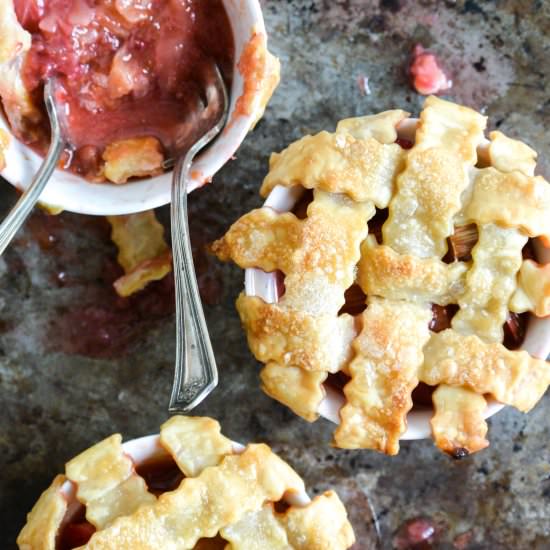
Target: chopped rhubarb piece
[
  {"x": 356, "y": 301},
  {"x": 427, "y": 76},
  {"x": 442, "y": 316},
  {"x": 376, "y": 223},
  {"x": 462, "y": 241},
  {"x": 514, "y": 330},
  {"x": 422, "y": 394}
]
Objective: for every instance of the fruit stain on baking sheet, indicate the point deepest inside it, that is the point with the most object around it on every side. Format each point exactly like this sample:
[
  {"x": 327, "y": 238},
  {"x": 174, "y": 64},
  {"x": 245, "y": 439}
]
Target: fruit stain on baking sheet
[
  {"x": 94, "y": 321},
  {"x": 125, "y": 69}
]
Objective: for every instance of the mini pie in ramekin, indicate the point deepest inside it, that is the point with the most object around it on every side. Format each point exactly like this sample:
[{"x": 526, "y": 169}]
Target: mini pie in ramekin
[
  {"x": 405, "y": 261},
  {"x": 189, "y": 488}
]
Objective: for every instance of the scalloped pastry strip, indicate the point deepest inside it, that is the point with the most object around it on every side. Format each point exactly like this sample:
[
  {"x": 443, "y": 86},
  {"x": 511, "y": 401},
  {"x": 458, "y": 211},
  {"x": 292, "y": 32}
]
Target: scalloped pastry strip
[
  {"x": 317, "y": 254},
  {"x": 299, "y": 389},
  {"x": 382, "y": 126},
  {"x": 195, "y": 443},
  {"x": 512, "y": 377},
  {"x": 506, "y": 154},
  {"x": 201, "y": 506},
  {"x": 533, "y": 292},
  {"x": 294, "y": 338},
  {"x": 511, "y": 199},
  {"x": 383, "y": 375},
  {"x": 458, "y": 425},
  {"x": 363, "y": 169},
  {"x": 14, "y": 39},
  {"x": 142, "y": 250},
  {"x": 106, "y": 482},
  {"x": 45, "y": 519},
  {"x": 383, "y": 272},
  {"x": 321, "y": 525},
  {"x": 428, "y": 191},
  {"x": 490, "y": 282}
]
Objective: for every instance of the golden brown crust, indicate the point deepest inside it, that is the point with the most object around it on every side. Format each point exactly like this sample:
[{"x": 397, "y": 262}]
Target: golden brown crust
[
  {"x": 338, "y": 163},
  {"x": 290, "y": 337},
  {"x": 195, "y": 443},
  {"x": 388, "y": 354},
  {"x": 44, "y": 520},
  {"x": 533, "y": 292},
  {"x": 14, "y": 40},
  {"x": 512, "y": 377},
  {"x": 490, "y": 282},
  {"x": 261, "y": 72},
  {"x": 458, "y": 425},
  {"x": 231, "y": 495},
  {"x": 133, "y": 158},
  {"x": 321, "y": 525},
  {"x": 385, "y": 273},
  {"x": 508, "y": 154},
  {"x": 4, "y": 142},
  {"x": 382, "y": 126},
  {"x": 142, "y": 250},
  {"x": 429, "y": 190},
  {"x": 511, "y": 200},
  {"x": 299, "y": 389},
  {"x": 107, "y": 483},
  {"x": 202, "y": 505}
]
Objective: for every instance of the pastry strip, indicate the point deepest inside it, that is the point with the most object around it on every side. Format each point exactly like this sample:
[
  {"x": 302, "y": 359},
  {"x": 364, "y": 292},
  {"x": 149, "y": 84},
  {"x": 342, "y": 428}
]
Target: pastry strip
[
  {"x": 429, "y": 190},
  {"x": 363, "y": 169},
  {"x": 533, "y": 292},
  {"x": 383, "y": 272},
  {"x": 44, "y": 520},
  {"x": 512, "y": 377},
  {"x": 383, "y": 375},
  {"x": 458, "y": 425},
  {"x": 201, "y": 506},
  {"x": 194, "y": 442},
  {"x": 490, "y": 283},
  {"x": 299, "y": 389},
  {"x": 107, "y": 483}
]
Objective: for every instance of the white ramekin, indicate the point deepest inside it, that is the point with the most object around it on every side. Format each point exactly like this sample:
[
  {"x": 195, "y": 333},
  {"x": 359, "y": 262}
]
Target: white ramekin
[
  {"x": 66, "y": 191},
  {"x": 149, "y": 448},
  {"x": 264, "y": 285}
]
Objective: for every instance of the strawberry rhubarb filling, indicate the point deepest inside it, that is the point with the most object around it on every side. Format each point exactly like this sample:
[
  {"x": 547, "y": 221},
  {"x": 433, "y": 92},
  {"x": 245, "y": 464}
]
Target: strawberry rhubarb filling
[{"x": 126, "y": 69}]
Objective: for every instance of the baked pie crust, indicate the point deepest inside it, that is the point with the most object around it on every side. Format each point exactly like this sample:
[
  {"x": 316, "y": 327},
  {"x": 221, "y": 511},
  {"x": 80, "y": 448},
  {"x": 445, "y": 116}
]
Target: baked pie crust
[
  {"x": 449, "y": 177},
  {"x": 224, "y": 493}
]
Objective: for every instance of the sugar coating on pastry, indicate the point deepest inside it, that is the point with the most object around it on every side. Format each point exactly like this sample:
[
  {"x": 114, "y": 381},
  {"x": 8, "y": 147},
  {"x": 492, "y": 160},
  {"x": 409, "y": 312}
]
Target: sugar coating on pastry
[
  {"x": 142, "y": 250},
  {"x": 439, "y": 224},
  {"x": 225, "y": 492}
]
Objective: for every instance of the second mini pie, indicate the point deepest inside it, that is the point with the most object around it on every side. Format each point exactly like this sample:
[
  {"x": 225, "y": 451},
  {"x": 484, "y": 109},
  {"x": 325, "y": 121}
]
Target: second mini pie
[
  {"x": 189, "y": 488},
  {"x": 411, "y": 262}
]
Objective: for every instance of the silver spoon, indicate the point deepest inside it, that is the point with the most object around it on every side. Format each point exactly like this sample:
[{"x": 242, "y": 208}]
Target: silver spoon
[
  {"x": 22, "y": 208},
  {"x": 195, "y": 373}
]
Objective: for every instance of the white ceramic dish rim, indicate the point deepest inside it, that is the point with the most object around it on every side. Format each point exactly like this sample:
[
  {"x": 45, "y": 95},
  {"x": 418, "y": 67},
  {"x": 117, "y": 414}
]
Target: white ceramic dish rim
[
  {"x": 66, "y": 191},
  {"x": 148, "y": 448},
  {"x": 264, "y": 285}
]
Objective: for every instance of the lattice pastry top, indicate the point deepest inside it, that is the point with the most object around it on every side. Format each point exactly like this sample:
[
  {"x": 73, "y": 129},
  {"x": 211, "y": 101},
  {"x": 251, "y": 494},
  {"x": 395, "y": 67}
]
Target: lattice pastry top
[
  {"x": 212, "y": 495},
  {"x": 382, "y": 216}
]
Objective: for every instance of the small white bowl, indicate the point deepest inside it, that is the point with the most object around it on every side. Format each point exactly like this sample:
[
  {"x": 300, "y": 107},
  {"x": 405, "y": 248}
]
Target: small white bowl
[
  {"x": 145, "y": 449},
  {"x": 264, "y": 285},
  {"x": 67, "y": 191}
]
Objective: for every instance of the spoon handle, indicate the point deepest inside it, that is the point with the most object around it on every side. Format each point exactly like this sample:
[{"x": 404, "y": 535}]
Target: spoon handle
[
  {"x": 22, "y": 208},
  {"x": 196, "y": 374}
]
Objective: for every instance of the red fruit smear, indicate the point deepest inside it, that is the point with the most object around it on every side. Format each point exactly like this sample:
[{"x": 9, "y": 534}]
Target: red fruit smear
[
  {"x": 416, "y": 534},
  {"x": 125, "y": 69},
  {"x": 427, "y": 76},
  {"x": 76, "y": 533}
]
